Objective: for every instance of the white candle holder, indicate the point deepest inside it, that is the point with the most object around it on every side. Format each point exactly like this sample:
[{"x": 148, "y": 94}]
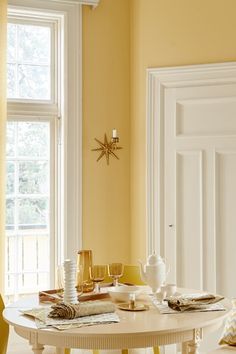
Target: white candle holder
[{"x": 70, "y": 293}]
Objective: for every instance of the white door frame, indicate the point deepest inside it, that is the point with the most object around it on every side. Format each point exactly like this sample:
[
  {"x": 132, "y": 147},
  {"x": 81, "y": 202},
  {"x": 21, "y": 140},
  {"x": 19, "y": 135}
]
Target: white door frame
[{"x": 158, "y": 79}]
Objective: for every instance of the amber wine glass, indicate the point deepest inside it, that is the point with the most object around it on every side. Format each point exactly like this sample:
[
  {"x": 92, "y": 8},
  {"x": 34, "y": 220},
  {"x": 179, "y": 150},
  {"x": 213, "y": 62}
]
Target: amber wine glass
[
  {"x": 97, "y": 274},
  {"x": 115, "y": 271}
]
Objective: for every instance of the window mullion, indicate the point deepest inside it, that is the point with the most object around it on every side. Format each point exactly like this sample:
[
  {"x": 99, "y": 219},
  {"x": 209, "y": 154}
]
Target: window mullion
[
  {"x": 28, "y": 109},
  {"x": 18, "y": 239},
  {"x": 16, "y": 65}
]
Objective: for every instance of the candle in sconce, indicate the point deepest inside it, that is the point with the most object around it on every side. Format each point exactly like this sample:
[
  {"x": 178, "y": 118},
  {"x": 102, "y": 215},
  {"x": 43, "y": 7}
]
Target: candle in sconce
[
  {"x": 108, "y": 146},
  {"x": 132, "y": 301},
  {"x": 114, "y": 133}
]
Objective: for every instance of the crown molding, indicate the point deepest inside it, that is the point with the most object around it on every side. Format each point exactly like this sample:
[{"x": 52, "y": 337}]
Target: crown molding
[{"x": 93, "y": 3}]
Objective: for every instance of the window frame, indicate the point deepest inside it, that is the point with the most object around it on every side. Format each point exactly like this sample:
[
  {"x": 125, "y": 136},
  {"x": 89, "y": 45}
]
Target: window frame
[{"x": 68, "y": 118}]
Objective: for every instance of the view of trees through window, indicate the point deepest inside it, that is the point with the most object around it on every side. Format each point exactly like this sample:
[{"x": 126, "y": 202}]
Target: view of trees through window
[
  {"x": 28, "y": 158},
  {"x": 29, "y": 61},
  {"x": 27, "y": 205}
]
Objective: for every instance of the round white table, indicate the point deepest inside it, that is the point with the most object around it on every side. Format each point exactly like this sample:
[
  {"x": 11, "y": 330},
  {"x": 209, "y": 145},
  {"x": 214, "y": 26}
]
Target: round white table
[{"x": 135, "y": 329}]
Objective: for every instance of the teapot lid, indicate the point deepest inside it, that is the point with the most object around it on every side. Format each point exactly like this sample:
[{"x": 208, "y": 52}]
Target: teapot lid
[{"x": 154, "y": 259}]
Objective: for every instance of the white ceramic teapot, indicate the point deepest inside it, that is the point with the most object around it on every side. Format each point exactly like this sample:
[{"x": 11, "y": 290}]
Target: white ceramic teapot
[{"x": 154, "y": 272}]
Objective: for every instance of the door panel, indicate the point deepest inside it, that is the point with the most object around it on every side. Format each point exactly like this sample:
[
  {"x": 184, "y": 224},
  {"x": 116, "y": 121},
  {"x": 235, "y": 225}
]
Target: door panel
[
  {"x": 189, "y": 216},
  {"x": 225, "y": 221},
  {"x": 198, "y": 121},
  {"x": 206, "y": 116}
]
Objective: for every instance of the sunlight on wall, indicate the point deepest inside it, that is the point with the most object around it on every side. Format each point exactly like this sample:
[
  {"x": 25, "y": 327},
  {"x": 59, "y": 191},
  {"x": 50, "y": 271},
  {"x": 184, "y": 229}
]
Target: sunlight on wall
[
  {"x": 106, "y": 104},
  {"x": 121, "y": 38},
  {"x": 169, "y": 33}
]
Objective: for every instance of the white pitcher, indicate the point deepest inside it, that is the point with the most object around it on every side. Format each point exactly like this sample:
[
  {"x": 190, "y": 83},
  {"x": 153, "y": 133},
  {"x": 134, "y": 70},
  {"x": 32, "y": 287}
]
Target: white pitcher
[{"x": 153, "y": 273}]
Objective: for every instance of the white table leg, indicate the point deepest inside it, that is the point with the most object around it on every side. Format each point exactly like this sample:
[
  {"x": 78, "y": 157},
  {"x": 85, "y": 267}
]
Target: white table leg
[
  {"x": 194, "y": 344},
  {"x": 193, "y": 347},
  {"x": 60, "y": 351},
  {"x": 37, "y": 348},
  {"x": 185, "y": 348}
]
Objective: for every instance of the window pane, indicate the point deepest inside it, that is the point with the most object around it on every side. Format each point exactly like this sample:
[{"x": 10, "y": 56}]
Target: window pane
[
  {"x": 34, "y": 44},
  {"x": 33, "y": 213},
  {"x": 43, "y": 253},
  {"x": 11, "y": 139},
  {"x": 33, "y": 139},
  {"x": 29, "y": 61},
  {"x": 11, "y": 42},
  {"x": 29, "y": 249},
  {"x": 12, "y": 254},
  {"x": 34, "y": 82},
  {"x": 33, "y": 177},
  {"x": 11, "y": 80},
  {"x": 10, "y": 217},
  {"x": 11, "y": 282},
  {"x": 43, "y": 279},
  {"x": 10, "y": 187},
  {"x": 29, "y": 281}
]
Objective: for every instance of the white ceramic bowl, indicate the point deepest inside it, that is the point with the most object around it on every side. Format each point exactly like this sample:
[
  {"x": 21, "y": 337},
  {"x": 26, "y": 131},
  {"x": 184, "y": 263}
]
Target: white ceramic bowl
[{"x": 122, "y": 292}]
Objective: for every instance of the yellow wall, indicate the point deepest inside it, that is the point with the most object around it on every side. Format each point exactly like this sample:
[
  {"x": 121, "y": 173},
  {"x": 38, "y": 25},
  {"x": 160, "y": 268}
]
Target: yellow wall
[
  {"x": 169, "y": 33},
  {"x": 121, "y": 38},
  {"x": 106, "y": 104}
]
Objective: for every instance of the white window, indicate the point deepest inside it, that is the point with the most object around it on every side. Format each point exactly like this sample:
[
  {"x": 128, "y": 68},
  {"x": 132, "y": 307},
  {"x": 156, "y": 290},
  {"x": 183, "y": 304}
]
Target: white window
[
  {"x": 31, "y": 158},
  {"x": 43, "y": 204}
]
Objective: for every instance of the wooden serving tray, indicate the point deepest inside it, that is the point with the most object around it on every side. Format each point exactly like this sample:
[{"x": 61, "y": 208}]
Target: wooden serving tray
[{"x": 56, "y": 295}]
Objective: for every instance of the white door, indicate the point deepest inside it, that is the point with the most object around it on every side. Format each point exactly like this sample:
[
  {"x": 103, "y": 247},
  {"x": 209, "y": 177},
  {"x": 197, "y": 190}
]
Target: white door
[
  {"x": 192, "y": 174},
  {"x": 200, "y": 186}
]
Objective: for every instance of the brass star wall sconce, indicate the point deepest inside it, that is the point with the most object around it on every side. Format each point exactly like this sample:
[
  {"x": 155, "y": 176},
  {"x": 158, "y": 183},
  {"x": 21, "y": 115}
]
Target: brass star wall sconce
[{"x": 108, "y": 148}]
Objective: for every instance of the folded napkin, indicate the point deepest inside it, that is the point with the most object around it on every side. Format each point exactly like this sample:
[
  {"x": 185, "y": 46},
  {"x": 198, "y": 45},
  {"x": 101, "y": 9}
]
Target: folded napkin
[
  {"x": 70, "y": 311},
  {"x": 40, "y": 314},
  {"x": 191, "y": 302}
]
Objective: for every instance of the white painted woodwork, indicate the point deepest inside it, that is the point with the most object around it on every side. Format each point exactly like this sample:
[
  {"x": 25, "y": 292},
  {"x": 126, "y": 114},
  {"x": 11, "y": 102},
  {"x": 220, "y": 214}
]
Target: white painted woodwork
[
  {"x": 225, "y": 223},
  {"x": 68, "y": 18},
  {"x": 192, "y": 172},
  {"x": 191, "y": 188},
  {"x": 93, "y": 3}
]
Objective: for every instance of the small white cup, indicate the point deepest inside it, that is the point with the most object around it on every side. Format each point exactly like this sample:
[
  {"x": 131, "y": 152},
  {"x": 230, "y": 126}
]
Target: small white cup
[{"x": 161, "y": 295}]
